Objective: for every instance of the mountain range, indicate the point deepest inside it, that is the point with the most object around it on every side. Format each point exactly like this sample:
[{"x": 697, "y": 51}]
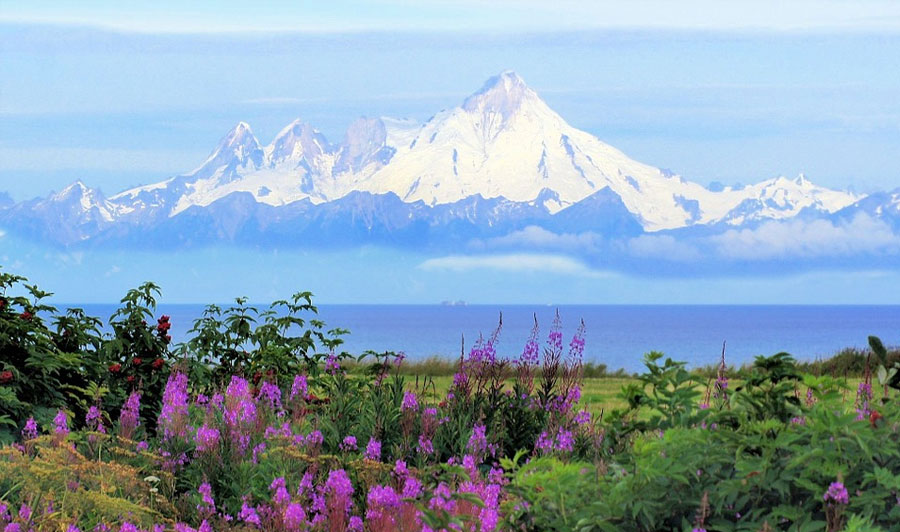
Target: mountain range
[{"x": 500, "y": 164}]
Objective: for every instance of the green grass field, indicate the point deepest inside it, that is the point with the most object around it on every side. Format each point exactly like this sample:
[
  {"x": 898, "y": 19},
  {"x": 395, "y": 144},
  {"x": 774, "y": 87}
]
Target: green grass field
[{"x": 596, "y": 393}]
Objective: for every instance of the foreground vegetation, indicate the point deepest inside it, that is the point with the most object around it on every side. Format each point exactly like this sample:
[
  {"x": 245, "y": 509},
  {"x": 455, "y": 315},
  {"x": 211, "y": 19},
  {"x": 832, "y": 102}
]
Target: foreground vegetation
[{"x": 259, "y": 422}]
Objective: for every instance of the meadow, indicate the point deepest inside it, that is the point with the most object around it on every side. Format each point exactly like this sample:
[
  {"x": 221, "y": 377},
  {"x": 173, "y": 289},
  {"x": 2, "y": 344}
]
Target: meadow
[{"x": 259, "y": 421}]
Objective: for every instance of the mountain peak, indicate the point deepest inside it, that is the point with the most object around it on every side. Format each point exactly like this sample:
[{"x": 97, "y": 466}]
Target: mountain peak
[
  {"x": 77, "y": 188},
  {"x": 503, "y": 94},
  {"x": 238, "y": 148},
  {"x": 296, "y": 141},
  {"x": 238, "y": 134}
]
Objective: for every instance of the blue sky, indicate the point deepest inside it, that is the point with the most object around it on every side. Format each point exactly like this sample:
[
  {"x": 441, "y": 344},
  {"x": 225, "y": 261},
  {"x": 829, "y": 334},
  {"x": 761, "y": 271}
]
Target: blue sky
[
  {"x": 498, "y": 15},
  {"x": 736, "y": 93}
]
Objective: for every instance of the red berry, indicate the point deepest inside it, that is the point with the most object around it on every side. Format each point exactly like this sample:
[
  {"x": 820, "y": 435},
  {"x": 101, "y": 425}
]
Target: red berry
[
  {"x": 115, "y": 368},
  {"x": 874, "y": 417},
  {"x": 6, "y": 376},
  {"x": 137, "y": 361}
]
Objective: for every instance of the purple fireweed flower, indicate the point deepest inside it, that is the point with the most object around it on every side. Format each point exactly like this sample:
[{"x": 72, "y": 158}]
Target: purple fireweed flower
[
  {"x": 373, "y": 449},
  {"x": 130, "y": 416},
  {"x": 400, "y": 469},
  {"x": 94, "y": 419},
  {"x": 294, "y": 516},
  {"x": 576, "y": 347},
  {"x": 300, "y": 388},
  {"x": 314, "y": 438},
  {"x": 478, "y": 443},
  {"x": 207, "y": 439},
  {"x": 242, "y": 413},
  {"x": 306, "y": 484},
  {"x": 257, "y": 450},
  {"x": 174, "y": 413},
  {"x": 25, "y": 512},
  {"x": 349, "y": 444},
  {"x": 412, "y": 488},
  {"x": 469, "y": 464},
  {"x": 248, "y": 515},
  {"x": 332, "y": 364},
  {"x": 208, "y": 504},
  {"x": 863, "y": 396},
  {"x": 272, "y": 431},
  {"x": 30, "y": 431},
  {"x": 426, "y": 446},
  {"x": 278, "y": 482},
  {"x": 13, "y": 527},
  {"x": 355, "y": 524},
  {"x": 495, "y": 476},
  {"x": 564, "y": 440},
  {"x": 339, "y": 487},
  {"x": 142, "y": 446},
  {"x": 544, "y": 442},
  {"x": 381, "y": 500},
  {"x": 101, "y": 528},
  {"x": 555, "y": 340},
  {"x": 61, "y": 424},
  {"x": 531, "y": 351},
  {"x": 837, "y": 493},
  {"x": 238, "y": 388},
  {"x": 269, "y": 394},
  {"x": 583, "y": 417},
  {"x": 281, "y": 496},
  {"x": 217, "y": 400},
  {"x": 460, "y": 380},
  {"x": 205, "y": 527},
  {"x": 73, "y": 528},
  {"x": 409, "y": 401}
]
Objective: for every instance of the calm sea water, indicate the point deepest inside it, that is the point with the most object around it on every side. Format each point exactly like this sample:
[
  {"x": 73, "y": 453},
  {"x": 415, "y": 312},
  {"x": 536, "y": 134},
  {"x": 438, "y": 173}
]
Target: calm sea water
[{"x": 617, "y": 335}]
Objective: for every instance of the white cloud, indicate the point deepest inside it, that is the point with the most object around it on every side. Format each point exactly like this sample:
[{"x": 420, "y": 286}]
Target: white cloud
[
  {"x": 538, "y": 237},
  {"x": 808, "y": 239},
  {"x": 516, "y": 262}
]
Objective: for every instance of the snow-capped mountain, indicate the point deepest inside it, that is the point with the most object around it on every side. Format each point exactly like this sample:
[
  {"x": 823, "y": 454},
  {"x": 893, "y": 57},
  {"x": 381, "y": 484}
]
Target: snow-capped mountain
[
  {"x": 880, "y": 205},
  {"x": 75, "y": 214},
  {"x": 503, "y": 159}
]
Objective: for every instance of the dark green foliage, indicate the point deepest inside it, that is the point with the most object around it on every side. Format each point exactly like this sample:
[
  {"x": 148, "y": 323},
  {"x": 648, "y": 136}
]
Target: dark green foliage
[
  {"x": 38, "y": 366},
  {"x": 241, "y": 340},
  {"x": 767, "y": 471}
]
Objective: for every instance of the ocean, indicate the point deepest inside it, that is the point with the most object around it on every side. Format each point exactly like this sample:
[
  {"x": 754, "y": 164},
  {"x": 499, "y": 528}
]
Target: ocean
[{"x": 616, "y": 335}]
